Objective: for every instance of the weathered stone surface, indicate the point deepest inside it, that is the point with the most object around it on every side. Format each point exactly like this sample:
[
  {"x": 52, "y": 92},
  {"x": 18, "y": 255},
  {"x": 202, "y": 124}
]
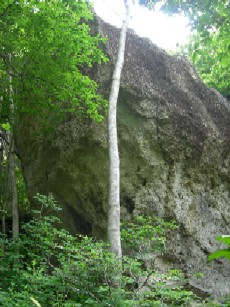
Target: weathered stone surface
[{"x": 174, "y": 138}]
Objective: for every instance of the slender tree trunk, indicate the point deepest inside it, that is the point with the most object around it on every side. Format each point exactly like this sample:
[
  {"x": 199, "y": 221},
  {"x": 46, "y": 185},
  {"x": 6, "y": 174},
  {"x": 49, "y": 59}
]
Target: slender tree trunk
[
  {"x": 1, "y": 177},
  {"x": 3, "y": 221},
  {"x": 2, "y": 186},
  {"x": 11, "y": 162},
  {"x": 14, "y": 194},
  {"x": 113, "y": 229}
]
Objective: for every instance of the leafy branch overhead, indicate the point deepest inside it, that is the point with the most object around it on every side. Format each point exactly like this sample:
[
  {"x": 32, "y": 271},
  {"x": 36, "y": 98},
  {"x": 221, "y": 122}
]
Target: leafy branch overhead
[
  {"x": 210, "y": 43},
  {"x": 50, "y": 42}
]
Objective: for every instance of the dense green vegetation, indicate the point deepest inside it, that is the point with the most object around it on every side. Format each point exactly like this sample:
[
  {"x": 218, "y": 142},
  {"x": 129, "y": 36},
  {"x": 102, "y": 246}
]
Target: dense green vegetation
[
  {"x": 44, "y": 47},
  {"x": 209, "y": 45},
  {"x": 47, "y": 266}
]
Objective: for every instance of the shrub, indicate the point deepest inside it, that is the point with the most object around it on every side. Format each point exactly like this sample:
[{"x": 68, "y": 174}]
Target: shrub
[{"x": 49, "y": 267}]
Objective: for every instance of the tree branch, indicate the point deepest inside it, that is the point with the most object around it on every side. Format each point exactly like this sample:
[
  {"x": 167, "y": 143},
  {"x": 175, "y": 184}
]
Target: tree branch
[
  {"x": 7, "y": 144},
  {"x": 6, "y": 9}
]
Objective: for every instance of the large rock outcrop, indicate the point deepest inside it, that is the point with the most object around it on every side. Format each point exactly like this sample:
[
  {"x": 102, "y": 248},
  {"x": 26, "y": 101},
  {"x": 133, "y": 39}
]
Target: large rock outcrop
[{"x": 174, "y": 139}]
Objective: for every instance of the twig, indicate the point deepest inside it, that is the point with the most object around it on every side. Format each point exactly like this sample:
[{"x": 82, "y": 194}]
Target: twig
[
  {"x": 110, "y": 7},
  {"x": 107, "y": 280},
  {"x": 145, "y": 282},
  {"x": 6, "y": 9}
]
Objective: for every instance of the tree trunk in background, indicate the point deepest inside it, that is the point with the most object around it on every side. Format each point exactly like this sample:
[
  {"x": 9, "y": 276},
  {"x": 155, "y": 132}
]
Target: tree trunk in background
[
  {"x": 2, "y": 185},
  {"x": 113, "y": 228},
  {"x": 11, "y": 162},
  {"x": 13, "y": 193}
]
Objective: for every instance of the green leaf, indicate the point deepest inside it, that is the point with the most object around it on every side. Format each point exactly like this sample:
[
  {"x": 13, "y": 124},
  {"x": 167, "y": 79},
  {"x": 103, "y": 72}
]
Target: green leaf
[
  {"x": 221, "y": 253},
  {"x": 36, "y": 303},
  {"x": 224, "y": 239},
  {"x": 6, "y": 126}
]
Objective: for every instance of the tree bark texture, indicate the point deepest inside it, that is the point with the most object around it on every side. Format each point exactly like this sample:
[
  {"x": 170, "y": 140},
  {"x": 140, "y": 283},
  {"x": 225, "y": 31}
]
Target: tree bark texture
[
  {"x": 113, "y": 228},
  {"x": 11, "y": 162},
  {"x": 2, "y": 186},
  {"x": 13, "y": 194}
]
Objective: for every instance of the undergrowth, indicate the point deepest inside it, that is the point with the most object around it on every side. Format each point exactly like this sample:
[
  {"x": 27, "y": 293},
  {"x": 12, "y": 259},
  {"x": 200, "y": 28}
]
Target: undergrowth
[{"x": 47, "y": 266}]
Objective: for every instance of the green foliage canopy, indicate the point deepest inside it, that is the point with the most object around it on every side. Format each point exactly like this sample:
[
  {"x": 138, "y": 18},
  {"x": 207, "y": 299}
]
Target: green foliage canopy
[
  {"x": 210, "y": 45},
  {"x": 45, "y": 45}
]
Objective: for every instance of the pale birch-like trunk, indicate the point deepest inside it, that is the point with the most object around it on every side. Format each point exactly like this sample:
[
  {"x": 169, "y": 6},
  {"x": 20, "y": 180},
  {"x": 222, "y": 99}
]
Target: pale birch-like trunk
[
  {"x": 113, "y": 228},
  {"x": 14, "y": 193},
  {"x": 11, "y": 162}
]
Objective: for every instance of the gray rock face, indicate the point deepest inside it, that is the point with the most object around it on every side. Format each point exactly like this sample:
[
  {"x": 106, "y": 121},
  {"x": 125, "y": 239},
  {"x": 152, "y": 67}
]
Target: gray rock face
[{"x": 174, "y": 139}]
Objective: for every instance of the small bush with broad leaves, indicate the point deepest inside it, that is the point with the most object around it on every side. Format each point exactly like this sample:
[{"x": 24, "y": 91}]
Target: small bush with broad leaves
[{"x": 47, "y": 266}]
